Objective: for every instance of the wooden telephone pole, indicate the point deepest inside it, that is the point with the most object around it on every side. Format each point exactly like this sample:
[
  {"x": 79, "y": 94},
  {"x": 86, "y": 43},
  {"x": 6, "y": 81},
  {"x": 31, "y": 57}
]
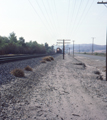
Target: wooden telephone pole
[
  {"x": 73, "y": 48},
  {"x": 92, "y": 45},
  {"x": 104, "y": 3},
  {"x": 63, "y": 42}
]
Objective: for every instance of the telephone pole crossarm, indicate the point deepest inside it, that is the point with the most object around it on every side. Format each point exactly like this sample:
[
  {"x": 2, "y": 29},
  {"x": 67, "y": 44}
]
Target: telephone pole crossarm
[
  {"x": 63, "y": 42},
  {"x": 102, "y": 2}
]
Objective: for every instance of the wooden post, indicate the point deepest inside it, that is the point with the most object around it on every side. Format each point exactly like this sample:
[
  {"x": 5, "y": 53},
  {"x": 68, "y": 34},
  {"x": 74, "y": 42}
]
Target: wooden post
[
  {"x": 106, "y": 54},
  {"x": 63, "y": 49}
]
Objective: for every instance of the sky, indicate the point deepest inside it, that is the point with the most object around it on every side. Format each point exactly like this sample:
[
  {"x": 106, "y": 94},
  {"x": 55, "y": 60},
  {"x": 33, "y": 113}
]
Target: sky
[{"x": 49, "y": 20}]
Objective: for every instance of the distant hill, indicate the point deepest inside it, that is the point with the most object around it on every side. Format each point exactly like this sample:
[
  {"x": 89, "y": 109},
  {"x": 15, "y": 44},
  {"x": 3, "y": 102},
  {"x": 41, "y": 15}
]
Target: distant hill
[{"x": 87, "y": 48}]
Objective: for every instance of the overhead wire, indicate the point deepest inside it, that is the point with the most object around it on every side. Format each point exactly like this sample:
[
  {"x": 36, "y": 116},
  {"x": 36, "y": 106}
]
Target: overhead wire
[
  {"x": 68, "y": 15},
  {"x": 105, "y": 5},
  {"x": 82, "y": 15},
  {"x": 52, "y": 15},
  {"x": 72, "y": 13},
  {"x": 42, "y": 13},
  {"x": 85, "y": 14},
  {"x": 56, "y": 16},
  {"x": 76, "y": 15},
  {"x": 47, "y": 14},
  {"x": 39, "y": 17}
]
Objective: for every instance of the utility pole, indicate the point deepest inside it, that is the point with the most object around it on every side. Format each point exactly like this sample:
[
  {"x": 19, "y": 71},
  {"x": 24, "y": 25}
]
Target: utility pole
[
  {"x": 63, "y": 42},
  {"x": 104, "y": 3},
  {"x": 73, "y": 48},
  {"x": 63, "y": 48},
  {"x": 92, "y": 45},
  {"x": 106, "y": 54},
  {"x": 79, "y": 48},
  {"x": 69, "y": 51}
]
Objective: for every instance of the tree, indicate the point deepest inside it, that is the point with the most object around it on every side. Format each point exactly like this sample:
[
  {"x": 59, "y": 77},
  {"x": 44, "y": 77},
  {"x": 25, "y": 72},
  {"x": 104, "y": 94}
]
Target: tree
[
  {"x": 46, "y": 46},
  {"x": 13, "y": 38},
  {"x": 21, "y": 39}
]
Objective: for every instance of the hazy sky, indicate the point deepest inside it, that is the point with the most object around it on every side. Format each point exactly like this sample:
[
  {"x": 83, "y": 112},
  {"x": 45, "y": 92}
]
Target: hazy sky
[{"x": 49, "y": 20}]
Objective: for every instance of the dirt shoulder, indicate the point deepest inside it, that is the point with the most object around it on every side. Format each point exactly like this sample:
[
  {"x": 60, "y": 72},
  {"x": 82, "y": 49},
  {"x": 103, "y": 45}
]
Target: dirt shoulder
[{"x": 57, "y": 90}]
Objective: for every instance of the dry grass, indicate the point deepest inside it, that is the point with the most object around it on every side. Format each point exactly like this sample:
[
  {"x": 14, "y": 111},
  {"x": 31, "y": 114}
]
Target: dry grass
[
  {"x": 48, "y": 58},
  {"x": 18, "y": 72},
  {"x": 51, "y": 57},
  {"x": 43, "y": 61},
  {"x": 28, "y": 68}
]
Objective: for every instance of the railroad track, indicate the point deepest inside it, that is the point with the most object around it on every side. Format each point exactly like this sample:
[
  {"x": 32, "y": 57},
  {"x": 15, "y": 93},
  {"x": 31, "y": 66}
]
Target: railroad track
[{"x": 4, "y": 59}]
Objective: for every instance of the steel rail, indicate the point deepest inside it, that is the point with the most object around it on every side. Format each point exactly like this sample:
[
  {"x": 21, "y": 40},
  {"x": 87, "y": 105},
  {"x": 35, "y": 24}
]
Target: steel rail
[{"x": 5, "y": 59}]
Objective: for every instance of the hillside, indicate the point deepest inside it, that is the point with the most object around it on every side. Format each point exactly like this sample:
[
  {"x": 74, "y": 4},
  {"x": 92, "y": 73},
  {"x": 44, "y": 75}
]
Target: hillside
[{"x": 87, "y": 48}]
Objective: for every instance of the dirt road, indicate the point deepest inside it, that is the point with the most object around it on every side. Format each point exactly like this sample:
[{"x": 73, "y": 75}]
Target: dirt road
[{"x": 61, "y": 95}]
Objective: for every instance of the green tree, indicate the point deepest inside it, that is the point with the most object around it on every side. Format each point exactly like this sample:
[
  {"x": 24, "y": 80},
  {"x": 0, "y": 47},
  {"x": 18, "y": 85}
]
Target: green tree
[
  {"x": 13, "y": 38},
  {"x": 46, "y": 46},
  {"x": 21, "y": 39}
]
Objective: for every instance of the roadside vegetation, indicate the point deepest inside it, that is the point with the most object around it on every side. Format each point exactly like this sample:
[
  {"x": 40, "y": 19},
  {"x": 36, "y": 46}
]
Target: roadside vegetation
[
  {"x": 96, "y": 53},
  {"x": 18, "y": 72},
  {"x": 28, "y": 68},
  {"x": 12, "y": 45},
  {"x": 47, "y": 58}
]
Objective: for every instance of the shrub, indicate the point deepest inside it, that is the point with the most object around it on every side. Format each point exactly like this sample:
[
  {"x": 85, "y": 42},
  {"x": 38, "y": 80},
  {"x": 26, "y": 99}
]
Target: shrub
[
  {"x": 18, "y": 72},
  {"x": 51, "y": 57},
  {"x": 43, "y": 61},
  {"x": 47, "y": 58},
  {"x": 28, "y": 68},
  {"x": 96, "y": 53}
]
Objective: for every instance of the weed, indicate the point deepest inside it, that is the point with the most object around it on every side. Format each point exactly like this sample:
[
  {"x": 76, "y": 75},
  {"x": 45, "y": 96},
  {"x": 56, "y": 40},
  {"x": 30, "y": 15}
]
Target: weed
[
  {"x": 28, "y": 68},
  {"x": 43, "y": 61},
  {"x": 47, "y": 58},
  {"x": 51, "y": 57},
  {"x": 18, "y": 72}
]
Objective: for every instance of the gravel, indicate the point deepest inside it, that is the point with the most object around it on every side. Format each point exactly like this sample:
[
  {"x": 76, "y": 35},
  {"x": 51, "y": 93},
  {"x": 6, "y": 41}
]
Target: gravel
[{"x": 6, "y": 68}]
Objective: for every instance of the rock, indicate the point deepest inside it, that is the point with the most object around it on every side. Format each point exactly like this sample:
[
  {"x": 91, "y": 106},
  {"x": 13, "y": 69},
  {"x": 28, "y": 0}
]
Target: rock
[
  {"x": 5, "y": 105},
  {"x": 97, "y": 72}
]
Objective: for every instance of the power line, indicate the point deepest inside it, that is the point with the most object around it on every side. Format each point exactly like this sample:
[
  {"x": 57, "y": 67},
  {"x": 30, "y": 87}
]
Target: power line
[
  {"x": 47, "y": 14},
  {"x": 68, "y": 15},
  {"x": 82, "y": 18},
  {"x": 55, "y": 12},
  {"x": 42, "y": 12},
  {"x": 39, "y": 16},
  {"x": 51, "y": 14},
  {"x": 105, "y": 5},
  {"x": 72, "y": 13},
  {"x": 83, "y": 11},
  {"x": 76, "y": 15}
]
